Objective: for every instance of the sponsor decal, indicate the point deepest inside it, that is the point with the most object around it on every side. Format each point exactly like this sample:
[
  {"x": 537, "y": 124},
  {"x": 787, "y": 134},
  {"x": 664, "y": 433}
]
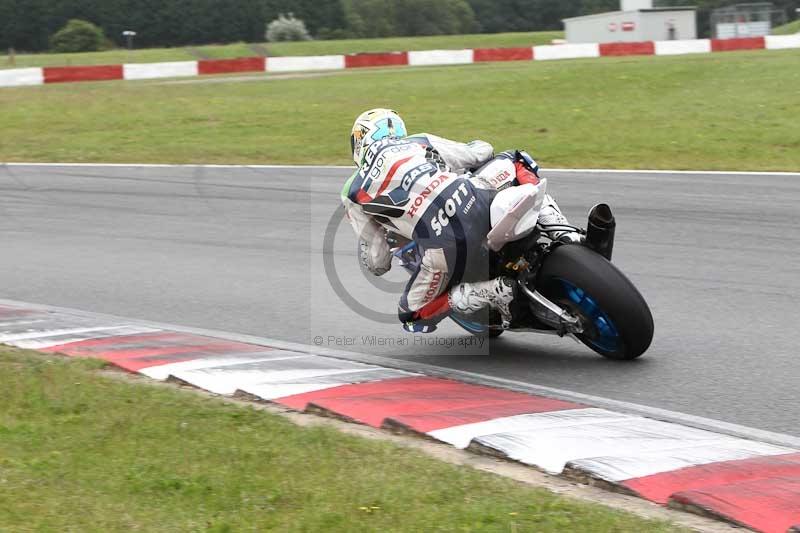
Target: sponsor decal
[
  {"x": 442, "y": 218},
  {"x": 499, "y": 179},
  {"x": 469, "y": 204},
  {"x": 415, "y": 173},
  {"x": 433, "y": 287},
  {"x": 628, "y": 26},
  {"x": 377, "y": 155},
  {"x": 420, "y": 199},
  {"x": 399, "y": 195}
]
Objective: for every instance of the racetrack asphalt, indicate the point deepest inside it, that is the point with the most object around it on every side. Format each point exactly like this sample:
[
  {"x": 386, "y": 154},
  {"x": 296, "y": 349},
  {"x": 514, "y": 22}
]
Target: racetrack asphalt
[{"x": 241, "y": 249}]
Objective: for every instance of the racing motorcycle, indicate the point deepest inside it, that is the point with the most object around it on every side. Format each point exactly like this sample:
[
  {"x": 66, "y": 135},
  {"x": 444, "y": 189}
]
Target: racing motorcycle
[{"x": 565, "y": 289}]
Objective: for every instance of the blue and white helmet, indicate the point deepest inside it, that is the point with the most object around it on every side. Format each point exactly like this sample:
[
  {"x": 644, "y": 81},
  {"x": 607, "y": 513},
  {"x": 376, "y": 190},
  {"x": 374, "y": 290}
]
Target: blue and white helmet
[{"x": 372, "y": 126}]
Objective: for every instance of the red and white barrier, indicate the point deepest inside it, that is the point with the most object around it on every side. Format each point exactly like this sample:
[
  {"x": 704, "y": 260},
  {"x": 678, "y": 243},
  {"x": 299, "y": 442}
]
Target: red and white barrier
[
  {"x": 782, "y": 42},
  {"x": 565, "y": 51},
  {"x": 502, "y": 54},
  {"x": 646, "y": 48},
  {"x": 741, "y": 43},
  {"x": 308, "y": 63},
  {"x": 21, "y": 76},
  {"x": 751, "y": 483},
  {"x": 672, "y": 48},
  {"x": 440, "y": 57},
  {"x": 143, "y": 71},
  {"x": 87, "y": 73},
  {"x": 174, "y": 69},
  {"x": 228, "y": 66},
  {"x": 387, "y": 59}
]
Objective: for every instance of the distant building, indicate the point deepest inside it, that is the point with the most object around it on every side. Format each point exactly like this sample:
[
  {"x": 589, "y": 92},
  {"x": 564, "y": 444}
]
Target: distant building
[
  {"x": 637, "y": 20},
  {"x": 746, "y": 20}
]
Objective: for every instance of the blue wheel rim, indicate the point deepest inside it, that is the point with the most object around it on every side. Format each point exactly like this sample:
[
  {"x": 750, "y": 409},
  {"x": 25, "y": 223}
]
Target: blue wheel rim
[{"x": 607, "y": 336}]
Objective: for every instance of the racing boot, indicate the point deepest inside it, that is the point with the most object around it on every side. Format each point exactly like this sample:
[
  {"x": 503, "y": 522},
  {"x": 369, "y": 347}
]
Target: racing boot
[
  {"x": 555, "y": 225},
  {"x": 472, "y": 298}
]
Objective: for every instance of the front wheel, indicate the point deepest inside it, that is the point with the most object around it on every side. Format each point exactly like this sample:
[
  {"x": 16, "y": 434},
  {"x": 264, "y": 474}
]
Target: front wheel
[{"x": 616, "y": 320}]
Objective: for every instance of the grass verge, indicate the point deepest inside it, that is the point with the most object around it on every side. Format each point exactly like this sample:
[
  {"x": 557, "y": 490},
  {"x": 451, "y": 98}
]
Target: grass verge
[
  {"x": 787, "y": 29},
  {"x": 308, "y": 48},
  {"x": 80, "y": 451},
  {"x": 729, "y": 111}
]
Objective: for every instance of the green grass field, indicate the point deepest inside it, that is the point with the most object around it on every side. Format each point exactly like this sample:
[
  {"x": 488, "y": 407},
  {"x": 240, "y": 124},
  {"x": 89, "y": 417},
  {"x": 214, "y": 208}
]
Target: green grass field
[
  {"x": 84, "y": 452},
  {"x": 787, "y": 29},
  {"x": 734, "y": 111},
  {"x": 308, "y": 48}
]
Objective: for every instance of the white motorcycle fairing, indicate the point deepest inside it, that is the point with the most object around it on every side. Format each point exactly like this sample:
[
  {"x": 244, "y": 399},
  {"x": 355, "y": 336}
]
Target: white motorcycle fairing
[{"x": 515, "y": 213}]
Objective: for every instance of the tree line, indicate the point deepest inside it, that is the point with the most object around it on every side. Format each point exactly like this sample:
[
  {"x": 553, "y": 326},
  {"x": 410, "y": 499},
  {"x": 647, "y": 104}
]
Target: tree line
[{"x": 28, "y": 24}]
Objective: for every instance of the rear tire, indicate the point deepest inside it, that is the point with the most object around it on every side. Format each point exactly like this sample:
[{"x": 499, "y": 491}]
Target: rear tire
[{"x": 617, "y": 321}]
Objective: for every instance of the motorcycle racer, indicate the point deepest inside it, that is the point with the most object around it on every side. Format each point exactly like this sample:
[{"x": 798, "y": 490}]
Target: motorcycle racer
[{"x": 421, "y": 187}]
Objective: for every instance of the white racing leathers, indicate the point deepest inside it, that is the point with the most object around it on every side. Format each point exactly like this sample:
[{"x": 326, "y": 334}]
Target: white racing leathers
[
  {"x": 417, "y": 187},
  {"x": 413, "y": 187}
]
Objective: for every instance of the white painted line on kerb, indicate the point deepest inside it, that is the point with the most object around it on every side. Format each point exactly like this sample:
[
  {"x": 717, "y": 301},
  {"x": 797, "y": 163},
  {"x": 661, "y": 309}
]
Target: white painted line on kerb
[
  {"x": 40, "y": 334},
  {"x": 780, "y": 439},
  {"x": 345, "y": 167}
]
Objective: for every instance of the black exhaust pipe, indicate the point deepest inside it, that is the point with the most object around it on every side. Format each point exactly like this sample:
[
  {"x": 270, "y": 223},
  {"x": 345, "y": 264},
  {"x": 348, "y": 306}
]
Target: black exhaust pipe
[{"x": 600, "y": 231}]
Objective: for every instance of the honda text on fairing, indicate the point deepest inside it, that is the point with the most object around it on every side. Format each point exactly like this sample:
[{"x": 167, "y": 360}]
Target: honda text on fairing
[{"x": 485, "y": 243}]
